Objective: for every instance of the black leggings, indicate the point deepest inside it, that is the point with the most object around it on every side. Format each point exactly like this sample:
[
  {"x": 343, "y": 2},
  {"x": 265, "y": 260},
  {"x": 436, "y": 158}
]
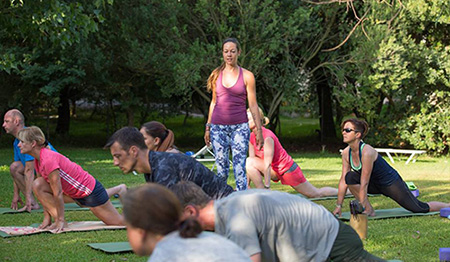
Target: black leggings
[{"x": 398, "y": 191}]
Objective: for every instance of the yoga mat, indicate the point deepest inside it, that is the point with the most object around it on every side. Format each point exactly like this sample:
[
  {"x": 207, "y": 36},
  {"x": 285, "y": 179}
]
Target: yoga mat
[
  {"x": 78, "y": 226},
  {"x": 67, "y": 207},
  {"x": 112, "y": 247},
  {"x": 332, "y": 197},
  {"x": 389, "y": 213}
]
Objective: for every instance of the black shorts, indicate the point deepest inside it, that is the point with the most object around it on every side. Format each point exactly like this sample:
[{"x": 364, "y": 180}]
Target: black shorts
[{"x": 98, "y": 197}]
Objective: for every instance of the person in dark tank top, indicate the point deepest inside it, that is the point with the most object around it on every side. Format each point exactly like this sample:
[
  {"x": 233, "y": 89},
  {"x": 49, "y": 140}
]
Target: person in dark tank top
[{"x": 365, "y": 171}]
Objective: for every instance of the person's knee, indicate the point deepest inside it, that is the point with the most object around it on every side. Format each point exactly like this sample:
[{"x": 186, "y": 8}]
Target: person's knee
[
  {"x": 352, "y": 178},
  {"x": 249, "y": 163},
  {"x": 16, "y": 169},
  {"x": 39, "y": 184}
]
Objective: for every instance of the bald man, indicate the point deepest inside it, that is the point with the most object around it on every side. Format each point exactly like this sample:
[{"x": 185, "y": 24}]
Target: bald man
[{"x": 22, "y": 169}]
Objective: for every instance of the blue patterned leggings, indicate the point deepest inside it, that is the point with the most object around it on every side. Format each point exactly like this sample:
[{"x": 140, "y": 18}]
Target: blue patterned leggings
[{"x": 236, "y": 137}]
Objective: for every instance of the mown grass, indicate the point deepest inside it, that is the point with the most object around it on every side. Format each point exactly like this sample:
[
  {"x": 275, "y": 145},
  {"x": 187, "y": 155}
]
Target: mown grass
[{"x": 407, "y": 239}]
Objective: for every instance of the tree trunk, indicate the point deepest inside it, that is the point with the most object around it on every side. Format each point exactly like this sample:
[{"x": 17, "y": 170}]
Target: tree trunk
[
  {"x": 63, "y": 124},
  {"x": 327, "y": 128},
  {"x": 130, "y": 116}
]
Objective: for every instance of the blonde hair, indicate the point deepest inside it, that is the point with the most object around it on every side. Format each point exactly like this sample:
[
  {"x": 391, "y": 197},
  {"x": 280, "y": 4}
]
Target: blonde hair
[
  {"x": 211, "y": 83},
  {"x": 264, "y": 119},
  {"x": 32, "y": 133}
]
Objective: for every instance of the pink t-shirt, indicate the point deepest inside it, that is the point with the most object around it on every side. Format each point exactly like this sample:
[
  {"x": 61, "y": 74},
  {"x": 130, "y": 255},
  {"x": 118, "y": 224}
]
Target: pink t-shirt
[
  {"x": 231, "y": 106},
  {"x": 281, "y": 161},
  {"x": 75, "y": 182}
]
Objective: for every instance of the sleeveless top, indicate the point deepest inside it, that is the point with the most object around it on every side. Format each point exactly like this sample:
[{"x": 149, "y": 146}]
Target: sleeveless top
[
  {"x": 382, "y": 173},
  {"x": 231, "y": 106}
]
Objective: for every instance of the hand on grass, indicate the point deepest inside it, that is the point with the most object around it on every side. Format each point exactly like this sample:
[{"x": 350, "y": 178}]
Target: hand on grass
[
  {"x": 27, "y": 206},
  {"x": 338, "y": 211},
  {"x": 15, "y": 201}
]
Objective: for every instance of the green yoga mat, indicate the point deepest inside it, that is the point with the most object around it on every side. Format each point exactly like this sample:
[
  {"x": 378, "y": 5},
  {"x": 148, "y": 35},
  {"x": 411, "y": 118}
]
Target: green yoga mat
[
  {"x": 389, "y": 213},
  {"x": 67, "y": 207},
  {"x": 112, "y": 247},
  {"x": 332, "y": 197}
]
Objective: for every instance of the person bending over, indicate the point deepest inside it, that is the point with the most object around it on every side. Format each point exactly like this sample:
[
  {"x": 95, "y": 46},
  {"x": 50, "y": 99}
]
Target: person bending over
[
  {"x": 130, "y": 153},
  {"x": 365, "y": 171},
  {"x": 154, "y": 227},
  {"x": 272, "y": 162},
  {"x": 60, "y": 180},
  {"x": 158, "y": 137},
  {"x": 22, "y": 169},
  {"x": 274, "y": 226}
]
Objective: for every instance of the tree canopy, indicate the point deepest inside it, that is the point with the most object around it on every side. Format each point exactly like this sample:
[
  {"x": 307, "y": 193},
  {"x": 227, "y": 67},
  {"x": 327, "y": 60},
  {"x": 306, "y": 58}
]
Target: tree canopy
[{"x": 384, "y": 61}]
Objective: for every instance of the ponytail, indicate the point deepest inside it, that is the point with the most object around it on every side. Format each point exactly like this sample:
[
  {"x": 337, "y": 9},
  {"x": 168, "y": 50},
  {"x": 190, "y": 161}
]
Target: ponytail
[
  {"x": 212, "y": 79},
  {"x": 167, "y": 142},
  {"x": 189, "y": 228}
]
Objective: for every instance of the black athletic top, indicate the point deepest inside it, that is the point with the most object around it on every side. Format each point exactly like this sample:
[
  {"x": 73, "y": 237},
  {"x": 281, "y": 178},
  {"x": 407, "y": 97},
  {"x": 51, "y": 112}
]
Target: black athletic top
[
  {"x": 168, "y": 169},
  {"x": 382, "y": 173}
]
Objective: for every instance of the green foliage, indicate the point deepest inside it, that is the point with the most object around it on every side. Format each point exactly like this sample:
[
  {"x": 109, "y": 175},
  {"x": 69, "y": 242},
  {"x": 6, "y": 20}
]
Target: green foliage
[
  {"x": 430, "y": 128},
  {"x": 400, "y": 61}
]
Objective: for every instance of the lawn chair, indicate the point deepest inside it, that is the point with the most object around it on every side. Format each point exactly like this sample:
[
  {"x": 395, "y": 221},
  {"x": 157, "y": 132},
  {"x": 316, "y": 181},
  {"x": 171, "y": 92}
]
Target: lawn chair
[{"x": 200, "y": 155}]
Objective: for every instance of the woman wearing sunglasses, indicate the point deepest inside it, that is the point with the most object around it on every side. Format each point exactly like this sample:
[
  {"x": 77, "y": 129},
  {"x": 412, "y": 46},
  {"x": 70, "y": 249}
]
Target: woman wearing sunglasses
[{"x": 365, "y": 171}]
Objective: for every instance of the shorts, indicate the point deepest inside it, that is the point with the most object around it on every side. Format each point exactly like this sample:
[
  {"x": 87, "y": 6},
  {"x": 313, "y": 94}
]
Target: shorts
[
  {"x": 98, "y": 197},
  {"x": 293, "y": 177}
]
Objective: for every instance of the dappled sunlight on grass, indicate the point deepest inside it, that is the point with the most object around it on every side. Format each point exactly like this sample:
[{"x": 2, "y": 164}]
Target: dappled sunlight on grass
[{"x": 4, "y": 168}]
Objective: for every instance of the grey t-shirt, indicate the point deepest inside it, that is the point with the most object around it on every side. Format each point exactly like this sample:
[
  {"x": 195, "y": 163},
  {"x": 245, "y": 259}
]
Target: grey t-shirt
[
  {"x": 282, "y": 226},
  {"x": 206, "y": 246}
]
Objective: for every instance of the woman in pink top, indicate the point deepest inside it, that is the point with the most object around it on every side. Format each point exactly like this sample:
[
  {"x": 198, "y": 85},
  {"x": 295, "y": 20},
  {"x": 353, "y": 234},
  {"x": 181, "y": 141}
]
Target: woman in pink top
[
  {"x": 272, "y": 162},
  {"x": 227, "y": 126},
  {"x": 60, "y": 180}
]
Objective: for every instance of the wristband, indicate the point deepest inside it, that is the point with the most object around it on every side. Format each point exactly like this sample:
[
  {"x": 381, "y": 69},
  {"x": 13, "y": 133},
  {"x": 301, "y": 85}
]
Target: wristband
[{"x": 339, "y": 205}]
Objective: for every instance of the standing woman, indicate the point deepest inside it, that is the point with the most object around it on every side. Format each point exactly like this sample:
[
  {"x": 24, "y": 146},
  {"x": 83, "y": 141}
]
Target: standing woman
[
  {"x": 227, "y": 125},
  {"x": 272, "y": 162},
  {"x": 60, "y": 180},
  {"x": 155, "y": 227},
  {"x": 365, "y": 171},
  {"x": 158, "y": 137}
]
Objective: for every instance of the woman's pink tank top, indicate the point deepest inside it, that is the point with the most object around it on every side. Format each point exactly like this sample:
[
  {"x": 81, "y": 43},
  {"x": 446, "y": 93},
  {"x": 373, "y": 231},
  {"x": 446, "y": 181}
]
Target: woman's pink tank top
[{"x": 231, "y": 106}]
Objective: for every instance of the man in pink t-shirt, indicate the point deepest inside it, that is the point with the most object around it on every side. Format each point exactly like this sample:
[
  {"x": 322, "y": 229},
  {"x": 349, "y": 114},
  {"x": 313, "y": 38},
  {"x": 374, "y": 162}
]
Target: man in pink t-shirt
[
  {"x": 60, "y": 180},
  {"x": 272, "y": 162}
]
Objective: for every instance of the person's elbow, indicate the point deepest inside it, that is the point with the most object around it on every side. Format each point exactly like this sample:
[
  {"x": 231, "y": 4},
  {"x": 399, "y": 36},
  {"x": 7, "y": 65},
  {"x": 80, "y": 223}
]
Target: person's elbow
[{"x": 256, "y": 257}]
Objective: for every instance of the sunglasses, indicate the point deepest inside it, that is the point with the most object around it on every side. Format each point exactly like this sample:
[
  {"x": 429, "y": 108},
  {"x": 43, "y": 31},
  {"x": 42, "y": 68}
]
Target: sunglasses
[{"x": 348, "y": 130}]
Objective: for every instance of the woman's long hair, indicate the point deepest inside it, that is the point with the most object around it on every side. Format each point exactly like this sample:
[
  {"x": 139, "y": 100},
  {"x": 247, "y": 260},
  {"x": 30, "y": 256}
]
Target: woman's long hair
[
  {"x": 157, "y": 129},
  {"x": 211, "y": 83},
  {"x": 156, "y": 209}
]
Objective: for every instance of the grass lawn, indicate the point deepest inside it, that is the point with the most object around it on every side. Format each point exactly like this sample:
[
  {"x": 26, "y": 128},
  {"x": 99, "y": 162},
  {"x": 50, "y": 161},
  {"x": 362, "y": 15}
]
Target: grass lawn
[{"x": 407, "y": 239}]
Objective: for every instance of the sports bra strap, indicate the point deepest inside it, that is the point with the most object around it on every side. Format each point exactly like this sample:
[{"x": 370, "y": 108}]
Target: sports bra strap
[{"x": 362, "y": 144}]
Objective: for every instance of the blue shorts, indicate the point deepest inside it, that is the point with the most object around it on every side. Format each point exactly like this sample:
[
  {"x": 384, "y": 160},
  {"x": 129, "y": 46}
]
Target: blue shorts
[{"x": 98, "y": 197}]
